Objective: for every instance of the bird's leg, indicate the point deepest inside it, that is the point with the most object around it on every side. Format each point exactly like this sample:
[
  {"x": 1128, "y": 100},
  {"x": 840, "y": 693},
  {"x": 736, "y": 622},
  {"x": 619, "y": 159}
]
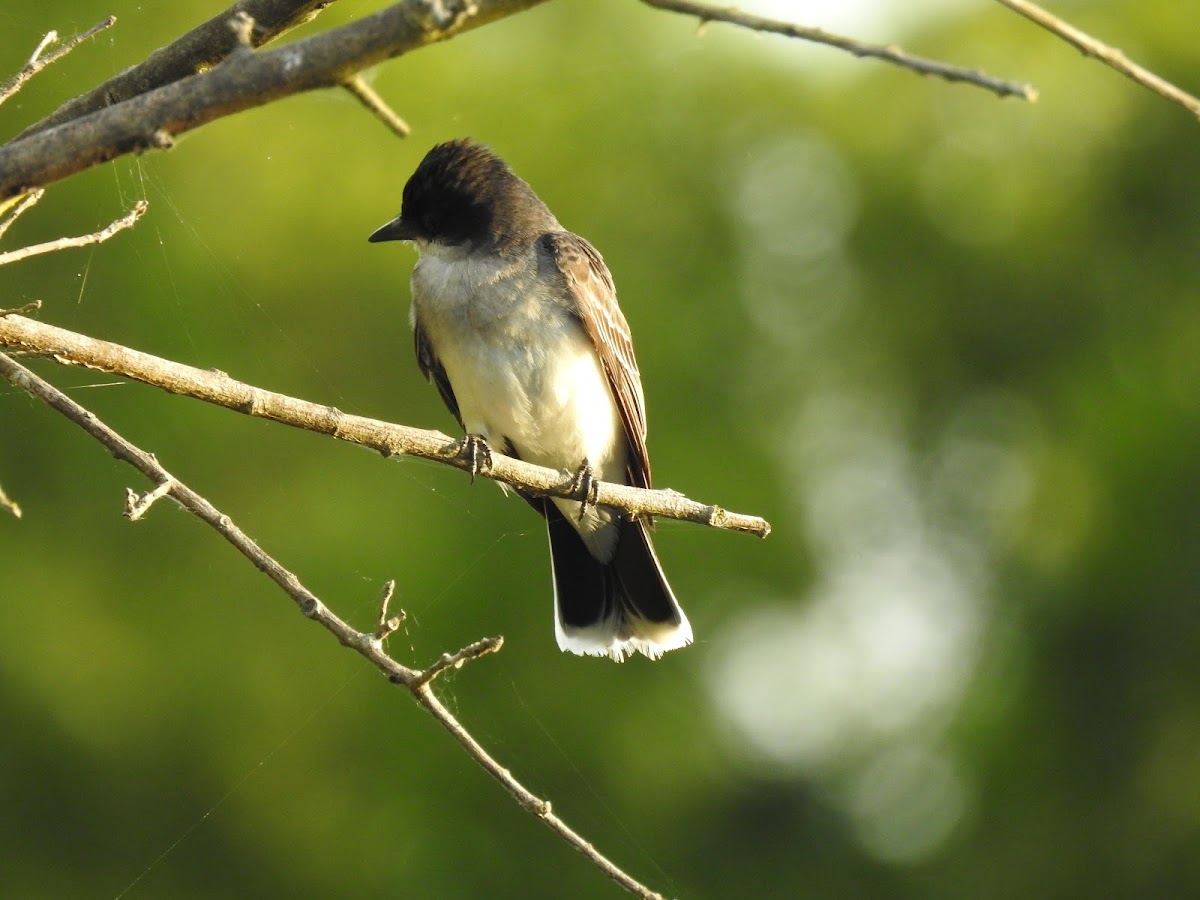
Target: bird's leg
[
  {"x": 474, "y": 448},
  {"x": 587, "y": 485}
]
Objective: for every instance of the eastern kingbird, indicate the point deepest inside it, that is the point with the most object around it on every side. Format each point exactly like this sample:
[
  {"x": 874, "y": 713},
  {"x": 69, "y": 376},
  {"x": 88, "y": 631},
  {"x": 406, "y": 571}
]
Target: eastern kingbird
[{"x": 516, "y": 322}]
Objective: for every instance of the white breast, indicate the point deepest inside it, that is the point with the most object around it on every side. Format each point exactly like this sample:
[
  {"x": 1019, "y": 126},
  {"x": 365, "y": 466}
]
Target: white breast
[{"x": 522, "y": 369}]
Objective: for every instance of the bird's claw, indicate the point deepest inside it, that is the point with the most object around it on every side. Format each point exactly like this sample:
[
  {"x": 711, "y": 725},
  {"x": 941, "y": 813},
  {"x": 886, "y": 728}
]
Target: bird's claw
[
  {"x": 586, "y": 486},
  {"x": 474, "y": 448}
]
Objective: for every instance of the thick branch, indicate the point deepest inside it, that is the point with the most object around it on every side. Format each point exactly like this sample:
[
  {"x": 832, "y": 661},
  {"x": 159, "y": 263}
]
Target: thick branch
[
  {"x": 216, "y": 387},
  {"x": 202, "y": 47},
  {"x": 1110, "y": 56},
  {"x": 244, "y": 80},
  {"x": 892, "y": 54},
  {"x": 364, "y": 643}
]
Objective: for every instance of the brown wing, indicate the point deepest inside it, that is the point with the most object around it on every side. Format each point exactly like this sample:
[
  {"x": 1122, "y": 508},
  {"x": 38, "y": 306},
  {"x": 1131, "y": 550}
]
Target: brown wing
[
  {"x": 594, "y": 297},
  {"x": 431, "y": 368}
]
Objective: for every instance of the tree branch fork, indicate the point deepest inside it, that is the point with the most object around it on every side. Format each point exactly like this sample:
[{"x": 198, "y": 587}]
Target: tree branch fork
[
  {"x": 20, "y": 333},
  {"x": 369, "y": 644}
]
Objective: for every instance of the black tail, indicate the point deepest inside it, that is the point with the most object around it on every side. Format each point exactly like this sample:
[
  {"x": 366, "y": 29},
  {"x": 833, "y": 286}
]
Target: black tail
[{"x": 614, "y": 608}]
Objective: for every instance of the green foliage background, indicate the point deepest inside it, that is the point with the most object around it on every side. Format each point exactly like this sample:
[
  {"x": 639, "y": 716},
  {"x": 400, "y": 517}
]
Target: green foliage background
[{"x": 947, "y": 344}]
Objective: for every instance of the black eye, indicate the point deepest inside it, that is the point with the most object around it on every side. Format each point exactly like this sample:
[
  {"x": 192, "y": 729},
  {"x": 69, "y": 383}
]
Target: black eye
[{"x": 431, "y": 222}]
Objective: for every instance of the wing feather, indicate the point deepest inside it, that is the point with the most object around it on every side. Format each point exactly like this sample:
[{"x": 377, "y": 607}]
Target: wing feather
[
  {"x": 590, "y": 287},
  {"x": 431, "y": 368}
]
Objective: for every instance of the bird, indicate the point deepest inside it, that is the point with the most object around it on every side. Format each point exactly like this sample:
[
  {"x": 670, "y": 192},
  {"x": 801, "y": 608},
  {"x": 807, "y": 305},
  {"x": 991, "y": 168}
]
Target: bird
[{"x": 515, "y": 321}]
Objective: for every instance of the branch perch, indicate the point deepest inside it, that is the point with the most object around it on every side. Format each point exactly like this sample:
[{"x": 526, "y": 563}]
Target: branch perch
[
  {"x": 216, "y": 387},
  {"x": 889, "y": 53},
  {"x": 417, "y": 681}
]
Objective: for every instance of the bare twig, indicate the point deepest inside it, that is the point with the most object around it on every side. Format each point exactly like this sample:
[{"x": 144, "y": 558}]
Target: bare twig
[
  {"x": 529, "y": 801},
  {"x": 457, "y": 660},
  {"x": 136, "y": 505},
  {"x": 388, "y": 626},
  {"x": 19, "y": 206},
  {"x": 8, "y": 503},
  {"x": 96, "y": 237},
  {"x": 388, "y": 439},
  {"x": 889, "y": 53},
  {"x": 242, "y": 81},
  {"x": 418, "y": 682},
  {"x": 1110, "y": 56},
  {"x": 32, "y": 306},
  {"x": 50, "y": 38},
  {"x": 201, "y": 48},
  {"x": 37, "y": 62},
  {"x": 370, "y": 98}
]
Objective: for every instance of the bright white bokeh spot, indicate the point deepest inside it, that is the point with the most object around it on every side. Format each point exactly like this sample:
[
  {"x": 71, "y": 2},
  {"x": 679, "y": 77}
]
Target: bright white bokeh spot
[
  {"x": 796, "y": 197},
  {"x": 883, "y": 646},
  {"x": 865, "y": 19},
  {"x": 868, "y": 21},
  {"x": 842, "y": 684},
  {"x": 796, "y": 200},
  {"x": 905, "y": 804}
]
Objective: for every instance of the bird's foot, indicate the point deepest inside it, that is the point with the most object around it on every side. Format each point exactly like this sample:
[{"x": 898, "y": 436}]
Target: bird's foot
[
  {"x": 586, "y": 486},
  {"x": 475, "y": 450}
]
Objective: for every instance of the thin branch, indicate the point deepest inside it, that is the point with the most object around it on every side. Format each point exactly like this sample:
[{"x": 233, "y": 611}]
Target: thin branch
[
  {"x": 370, "y": 98},
  {"x": 244, "y": 80},
  {"x": 216, "y": 387},
  {"x": 96, "y": 237},
  {"x": 18, "y": 206},
  {"x": 37, "y": 62},
  {"x": 448, "y": 661},
  {"x": 388, "y": 626},
  {"x": 1110, "y": 56},
  {"x": 888, "y": 53},
  {"x": 310, "y": 605},
  {"x": 199, "y": 49},
  {"x": 50, "y": 38},
  {"x": 32, "y": 306},
  {"x": 9, "y": 504},
  {"x": 137, "y": 505}
]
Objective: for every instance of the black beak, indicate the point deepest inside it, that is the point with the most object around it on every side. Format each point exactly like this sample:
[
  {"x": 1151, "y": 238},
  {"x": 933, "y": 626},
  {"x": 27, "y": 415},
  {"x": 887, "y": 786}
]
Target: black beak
[{"x": 395, "y": 230}]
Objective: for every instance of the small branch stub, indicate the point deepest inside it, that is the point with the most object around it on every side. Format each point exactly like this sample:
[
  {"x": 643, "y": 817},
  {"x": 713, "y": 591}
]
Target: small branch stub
[
  {"x": 370, "y": 98},
  {"x": 9, "y": 504},
  {"x": 161, "y": 139},
  {"x": 19, "y": 205},
  {"x": 242, "y": 26},
  {"x": 137, "y": 505},
  {"x": 386, "y": 627},
  {"x": 457, "y": 660}
]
